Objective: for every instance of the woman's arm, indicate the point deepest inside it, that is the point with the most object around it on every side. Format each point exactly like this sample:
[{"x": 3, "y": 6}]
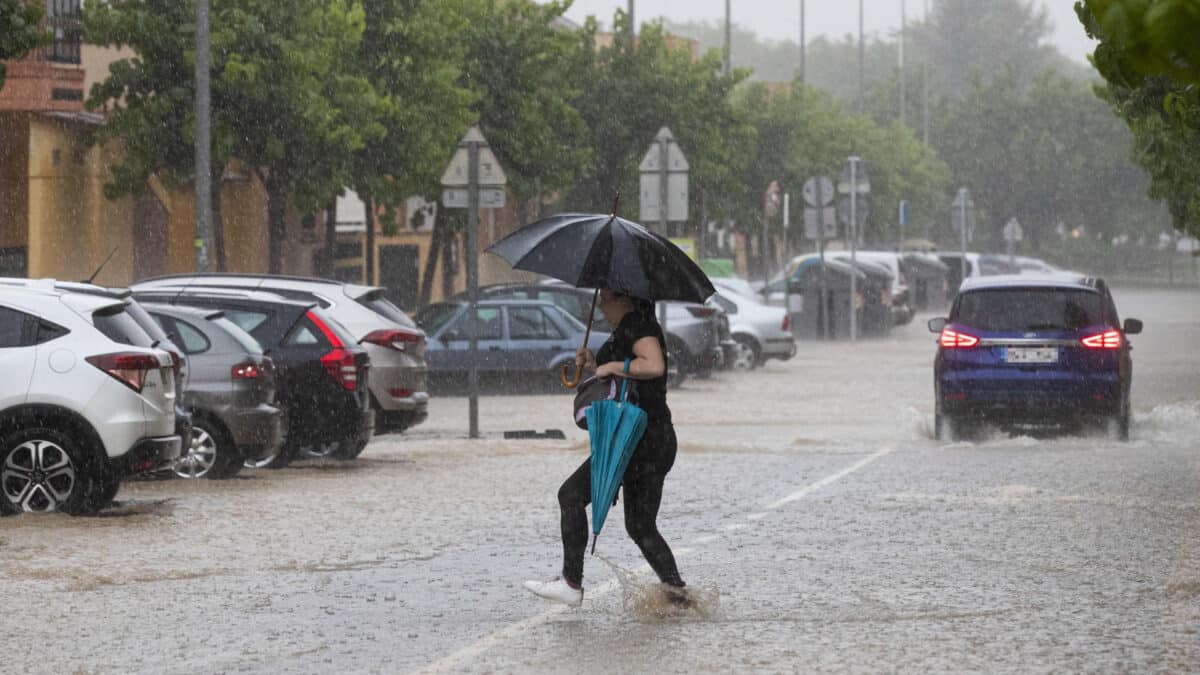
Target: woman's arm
[{"x": 648, "y": 362}]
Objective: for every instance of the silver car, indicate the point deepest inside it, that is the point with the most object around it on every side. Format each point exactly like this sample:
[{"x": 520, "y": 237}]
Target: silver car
[
  {"x": 760, "y": 331},
  {"x": 229, "y": 390},
  {"x": 395, "y": 344}
]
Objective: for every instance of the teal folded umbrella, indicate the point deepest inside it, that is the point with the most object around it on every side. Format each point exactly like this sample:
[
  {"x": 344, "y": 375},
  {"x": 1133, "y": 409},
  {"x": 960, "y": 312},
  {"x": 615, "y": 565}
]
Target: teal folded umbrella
[{"x": 615, "y": 428}]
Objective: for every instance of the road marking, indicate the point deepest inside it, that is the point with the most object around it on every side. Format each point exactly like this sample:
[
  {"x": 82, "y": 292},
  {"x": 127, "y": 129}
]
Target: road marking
[{"x": 453, "y": 662}]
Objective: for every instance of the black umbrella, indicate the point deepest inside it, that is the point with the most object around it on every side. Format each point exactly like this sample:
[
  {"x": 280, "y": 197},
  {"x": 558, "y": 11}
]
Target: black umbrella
[{"x": 595, "y": 250}]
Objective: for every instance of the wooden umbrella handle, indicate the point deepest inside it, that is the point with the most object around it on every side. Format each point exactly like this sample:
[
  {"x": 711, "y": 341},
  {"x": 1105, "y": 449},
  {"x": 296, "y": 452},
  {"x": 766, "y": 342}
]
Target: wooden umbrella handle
[{"x": 587, "y": 334}]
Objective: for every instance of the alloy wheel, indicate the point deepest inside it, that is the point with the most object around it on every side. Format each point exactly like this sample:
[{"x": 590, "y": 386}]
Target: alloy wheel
[
  {"x": 200, "y": 457},
  {"x": 743, "y": 356},
  {"x": 38, "y": 476}
]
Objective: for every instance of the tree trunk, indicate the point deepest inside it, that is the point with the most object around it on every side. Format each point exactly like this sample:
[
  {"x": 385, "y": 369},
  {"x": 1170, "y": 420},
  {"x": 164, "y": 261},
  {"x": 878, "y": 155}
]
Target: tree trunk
[
  {"x": 370, "y": 243},
  {"x": 218, "y": 222},
  {"x": 329, "y": 255},
  {"x": 435, "y": 248},
  {"x": 276, "y": 220}
]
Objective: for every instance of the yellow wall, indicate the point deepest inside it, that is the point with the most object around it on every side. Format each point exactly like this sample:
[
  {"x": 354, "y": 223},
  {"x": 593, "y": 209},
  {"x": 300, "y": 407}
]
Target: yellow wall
[
  {"x": 14, "y": 179},
  {"x": 72, "y": 226}
]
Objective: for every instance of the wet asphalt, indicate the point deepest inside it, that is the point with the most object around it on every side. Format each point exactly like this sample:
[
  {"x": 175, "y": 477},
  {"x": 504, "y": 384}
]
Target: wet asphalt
[{"x": 818, "y": 523}]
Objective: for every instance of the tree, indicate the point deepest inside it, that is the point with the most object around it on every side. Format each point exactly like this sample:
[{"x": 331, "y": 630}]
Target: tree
[
  {"x": 19, "y": 32},
  {"x": 286, "y": 100}
]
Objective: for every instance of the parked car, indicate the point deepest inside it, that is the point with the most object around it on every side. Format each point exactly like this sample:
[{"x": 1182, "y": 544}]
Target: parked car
[
  {"x": 761, "y": 332},
  {"x": 693, "y": 331},
  {"x": 229, "y": 390},
  {"x": 86, "y": 399},
  {"x": 517, "y": 340},
  {"x": 394, "y": 343},
  {"x": 928, "y": 280},
  {"x": 320, "y": 373},
  {"x": 1032, "y": 350},
  {"x": 899, "y": 301}
]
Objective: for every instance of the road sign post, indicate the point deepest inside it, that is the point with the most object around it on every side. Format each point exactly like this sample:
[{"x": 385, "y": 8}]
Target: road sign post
[
  {"x": 963, "y": 203},
  {"x": 473, "y": 170},
  {"x": 1012, "y": 234},
  {"x": 663, "y": 189},
  {"x": 820, "y": 224},
  {"x": 854, "y": 181}
]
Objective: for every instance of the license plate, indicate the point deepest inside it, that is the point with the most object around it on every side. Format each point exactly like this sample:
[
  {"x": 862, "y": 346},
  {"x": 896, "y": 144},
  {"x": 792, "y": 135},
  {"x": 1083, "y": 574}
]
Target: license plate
[{"x": 1031, "y": 355}]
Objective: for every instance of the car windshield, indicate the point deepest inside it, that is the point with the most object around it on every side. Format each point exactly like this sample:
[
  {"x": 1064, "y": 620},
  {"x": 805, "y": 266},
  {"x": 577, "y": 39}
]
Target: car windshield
[
  {"x": 376, "y": 302},
  {"x": 119, "y": 326},
  {"x": 433, "y": 317},
  {"x": 1029, "y": 309}
]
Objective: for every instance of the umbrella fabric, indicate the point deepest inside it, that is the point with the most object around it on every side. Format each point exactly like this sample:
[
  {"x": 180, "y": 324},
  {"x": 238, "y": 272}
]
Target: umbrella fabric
[
  {"x": 615, "y": 428},
  {"x": 591, "y": 250}
]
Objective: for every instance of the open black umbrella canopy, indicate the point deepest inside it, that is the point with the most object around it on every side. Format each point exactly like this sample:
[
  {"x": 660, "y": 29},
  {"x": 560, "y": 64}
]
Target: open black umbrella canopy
[{"x": 593, "y": 250}]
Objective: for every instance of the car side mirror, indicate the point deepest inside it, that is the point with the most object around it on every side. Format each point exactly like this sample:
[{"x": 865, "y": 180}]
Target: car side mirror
[
  {"x": 936, "y": 325},
  {"x": 1132, "y": 326}
]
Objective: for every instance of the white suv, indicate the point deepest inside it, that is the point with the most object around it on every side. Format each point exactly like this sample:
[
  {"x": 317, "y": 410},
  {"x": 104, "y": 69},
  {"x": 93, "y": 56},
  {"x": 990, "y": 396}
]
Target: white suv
[
  {"x": 395, "y": 344},
  {"x": 85, "y": 400}
]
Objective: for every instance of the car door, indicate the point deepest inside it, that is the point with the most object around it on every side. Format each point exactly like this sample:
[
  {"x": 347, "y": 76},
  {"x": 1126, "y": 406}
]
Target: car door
[
  {"x": 534, "y": 338},
  {"x": 456, "y": 343},
  {"x": 18, "y": 355}
]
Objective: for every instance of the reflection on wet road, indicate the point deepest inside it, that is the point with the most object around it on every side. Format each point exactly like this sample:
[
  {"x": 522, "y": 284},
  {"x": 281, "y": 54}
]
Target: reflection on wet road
[{"x": 818, "y": 522}]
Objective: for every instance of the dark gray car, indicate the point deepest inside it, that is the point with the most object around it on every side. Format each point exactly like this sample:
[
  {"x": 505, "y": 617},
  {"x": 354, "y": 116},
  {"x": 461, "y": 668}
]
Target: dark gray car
[{"x": 230, "y": 391}]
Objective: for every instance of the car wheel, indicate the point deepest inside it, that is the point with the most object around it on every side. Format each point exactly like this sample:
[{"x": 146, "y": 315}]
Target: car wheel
[
  {"x": 318, "y": 451},
  {"x": 1119, "y": 424},
  {"x": 278, "y": 460},
  {"x": 104, "y": 489},
  {"x": 211, "y": 454},
  {"x": 348, "y": 450},
  {"x": 745, "y": 354},
  {"x": 44, "y": 470}
]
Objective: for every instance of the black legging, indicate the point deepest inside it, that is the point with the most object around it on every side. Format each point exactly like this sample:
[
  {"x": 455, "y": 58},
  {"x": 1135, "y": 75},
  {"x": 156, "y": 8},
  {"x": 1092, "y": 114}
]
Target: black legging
[{"x": 642, "y": 487}]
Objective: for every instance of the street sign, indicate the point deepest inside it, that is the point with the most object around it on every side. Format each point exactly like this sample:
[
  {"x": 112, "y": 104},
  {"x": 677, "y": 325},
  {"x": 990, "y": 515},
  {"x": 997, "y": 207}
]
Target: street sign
[
  {"x": 1012, "y": 230},
  {"x": 818, "y": 191},
  {"x": 489, "y": 197},
  {"x": 664, "y": 177},
  {"x": 820, "y": 223},
  {"x": 861, "y": 211},
  {"x": 862, "y": 181},
  {"x": 490, "y": 172}
]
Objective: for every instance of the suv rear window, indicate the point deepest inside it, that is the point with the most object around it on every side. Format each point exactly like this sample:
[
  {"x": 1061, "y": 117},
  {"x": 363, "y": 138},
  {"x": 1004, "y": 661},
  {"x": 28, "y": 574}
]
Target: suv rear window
[
  {"x": 116, "y": 324},
  {"x": 376, "y": 302},
  {"x": 1030, "y": 309}
]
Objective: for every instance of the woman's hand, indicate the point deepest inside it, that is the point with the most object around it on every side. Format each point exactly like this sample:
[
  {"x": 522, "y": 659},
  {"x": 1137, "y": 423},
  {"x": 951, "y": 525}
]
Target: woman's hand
[{"x": 585, "y": 359}]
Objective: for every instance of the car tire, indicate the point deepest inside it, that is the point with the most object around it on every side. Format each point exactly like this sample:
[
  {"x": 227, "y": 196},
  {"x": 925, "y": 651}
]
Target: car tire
[
  {"x": 45, "y": 470},
  {"x": 349, "y": 450},
  {"x": 279, "y": 460},
  {"x": 1119, "y": 424},
  {"x": 211, "y": 454},
  {"x": 318, "y": 451},
  {"x": 746, "y": 354},
  {"x": 677, "y": 360},
  {"x": 104, "y": 489}
]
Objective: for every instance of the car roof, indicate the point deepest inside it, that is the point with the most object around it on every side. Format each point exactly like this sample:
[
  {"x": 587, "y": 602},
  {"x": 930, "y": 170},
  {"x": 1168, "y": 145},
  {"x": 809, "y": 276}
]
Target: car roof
[
  {"x": 223, "y": 294},
  {"x": 51, "y": 288},
  {"x": 260, "y": 281},
  {"x": 183, "y": 310},
  {"x": 1046, "y": 280}
]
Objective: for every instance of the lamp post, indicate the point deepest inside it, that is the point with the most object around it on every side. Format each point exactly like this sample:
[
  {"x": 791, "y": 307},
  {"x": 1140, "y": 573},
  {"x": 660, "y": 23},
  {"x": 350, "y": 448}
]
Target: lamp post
[{"x": 203, "y": 168}]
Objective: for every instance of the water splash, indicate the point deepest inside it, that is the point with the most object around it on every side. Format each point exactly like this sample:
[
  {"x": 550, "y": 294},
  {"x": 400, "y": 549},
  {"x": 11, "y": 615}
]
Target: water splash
[{"x": 653, "y": 602}]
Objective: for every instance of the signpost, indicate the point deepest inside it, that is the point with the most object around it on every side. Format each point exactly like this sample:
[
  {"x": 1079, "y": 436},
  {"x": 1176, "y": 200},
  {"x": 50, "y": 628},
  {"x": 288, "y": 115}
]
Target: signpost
[
  {"x": 663, "y": 190},
  {"x": 472, "y": 172},
  {"x": 854, "y": 182},
  {"x": 902, "y": 220},
  {"x": 964, "y": 222},
  {"x": 1012, "y": 235},
  {"x": 820, "y": 224}
]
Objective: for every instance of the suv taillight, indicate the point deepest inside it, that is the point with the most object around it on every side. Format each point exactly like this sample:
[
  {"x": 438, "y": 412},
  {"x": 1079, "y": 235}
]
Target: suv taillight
[
  {"x": 247, "y": 371},
  {"x": 400, "y": 340},
  {"x": 1109, "y": 339},
  {"x": 129, "y": 368},
  {"x": 956, "y": 339},
  {"x": 787, "y": 323},
  {"x": 339, "y": 361},
  {"x": 701, "y": 312}
]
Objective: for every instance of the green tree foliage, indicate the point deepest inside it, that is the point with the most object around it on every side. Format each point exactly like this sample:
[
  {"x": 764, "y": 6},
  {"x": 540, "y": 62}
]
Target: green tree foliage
[
  {"x": 629, "y": 93},
  {"x": 19, "y": 32},
  {"x": 286, "y": 99},
  {"x": 1150, "y": 59}
]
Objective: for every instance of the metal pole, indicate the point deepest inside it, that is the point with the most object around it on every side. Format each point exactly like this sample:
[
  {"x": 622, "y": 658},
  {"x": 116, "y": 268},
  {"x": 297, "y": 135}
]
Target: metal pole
[
  {"x": 786, "y": 232},
  {"x": 203, "y": 209},
  {"x": 802, "y": 55},
  {"x": 924, "y": 103},
  {"x": 473, "y": 284},
  {"x": 632, "y": 27},
  {"x": 852, "y": 229},
  {"x": 962, "y": 226},
  {"x": 903, "y": 98},
  {"x": 824, "y": 308},
  {"x": 663, "y": 193},
  {"x": 728, "y": 41},
  {"x": 861, "y": 56}
]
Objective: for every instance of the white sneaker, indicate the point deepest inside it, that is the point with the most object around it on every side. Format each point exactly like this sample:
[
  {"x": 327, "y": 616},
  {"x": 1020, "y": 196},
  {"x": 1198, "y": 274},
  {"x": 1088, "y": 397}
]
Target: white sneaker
[{"x": 557, "y": 590}]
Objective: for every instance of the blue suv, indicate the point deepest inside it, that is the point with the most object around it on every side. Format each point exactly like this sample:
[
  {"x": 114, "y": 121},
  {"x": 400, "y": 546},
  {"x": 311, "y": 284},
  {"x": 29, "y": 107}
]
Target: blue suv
[{"x": 1022, "y": 350}]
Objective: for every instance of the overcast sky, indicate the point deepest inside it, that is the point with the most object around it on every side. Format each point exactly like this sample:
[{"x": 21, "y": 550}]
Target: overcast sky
[{"x": 780, "y": 19}]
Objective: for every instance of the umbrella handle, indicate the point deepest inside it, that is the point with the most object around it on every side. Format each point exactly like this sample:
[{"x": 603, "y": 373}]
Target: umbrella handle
[{"x": 587, "y": 334}]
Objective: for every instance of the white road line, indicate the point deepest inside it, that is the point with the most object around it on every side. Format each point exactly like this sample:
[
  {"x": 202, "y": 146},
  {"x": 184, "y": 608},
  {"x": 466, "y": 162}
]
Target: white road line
[{"x": 454, "y": 661}]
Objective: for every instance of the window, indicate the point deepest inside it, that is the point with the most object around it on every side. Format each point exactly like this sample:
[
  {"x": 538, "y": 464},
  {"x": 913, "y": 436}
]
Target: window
[
  {"x": 376, "y": 302},
  {"x": 12, "y": 328},
  {"x": 304, "y": 334},
  {"x": 531, "y": 323},
  {"x": 63, "y": 20},
  {"x": 489, "y": 325},
  {"x": 119, "y": 326},
  {"x": 245, "y": 319},
  {"x": 47, "y": 331},
  {"x": 725, "y": 304},
  {"x": 433, "y": 317},
  {"x": 191, "y": 340},
  {"x": 1030, "y": 309}
]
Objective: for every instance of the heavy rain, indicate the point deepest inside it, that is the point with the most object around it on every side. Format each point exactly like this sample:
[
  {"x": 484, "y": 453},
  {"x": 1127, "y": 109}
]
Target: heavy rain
[{"x": 875, "y": 323}]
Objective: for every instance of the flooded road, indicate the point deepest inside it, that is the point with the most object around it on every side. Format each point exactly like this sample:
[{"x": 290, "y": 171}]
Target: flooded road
[{"x": 820, "y": 524}]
